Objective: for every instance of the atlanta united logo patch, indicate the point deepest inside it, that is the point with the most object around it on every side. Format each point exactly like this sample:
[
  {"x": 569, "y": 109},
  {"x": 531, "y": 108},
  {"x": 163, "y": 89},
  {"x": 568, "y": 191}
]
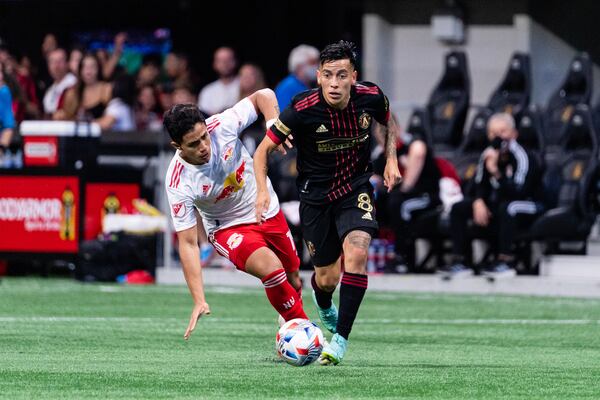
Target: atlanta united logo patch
[
  {"x": 364, "y": 120},
  {"x": 311, "y": 248},
  {"x": 235, "y": 240}
]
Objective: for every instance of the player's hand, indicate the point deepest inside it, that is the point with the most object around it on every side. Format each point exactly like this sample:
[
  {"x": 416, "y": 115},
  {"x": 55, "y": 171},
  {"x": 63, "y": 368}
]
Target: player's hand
[
  {"x": 198, "y": 311},
  {"x": 263, "y": 199},
  {"x": 391, "y": 174},
  {"x": 282, "y": 147}
]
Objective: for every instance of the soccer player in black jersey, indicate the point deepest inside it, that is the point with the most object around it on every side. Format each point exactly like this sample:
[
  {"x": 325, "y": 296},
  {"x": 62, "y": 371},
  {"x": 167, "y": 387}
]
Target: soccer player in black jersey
[{"x": 331, "y": 129}]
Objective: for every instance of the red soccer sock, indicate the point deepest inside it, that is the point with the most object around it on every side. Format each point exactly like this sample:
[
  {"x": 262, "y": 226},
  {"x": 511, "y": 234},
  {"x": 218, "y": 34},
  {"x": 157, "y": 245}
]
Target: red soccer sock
[{"x": 283, "y": 296}]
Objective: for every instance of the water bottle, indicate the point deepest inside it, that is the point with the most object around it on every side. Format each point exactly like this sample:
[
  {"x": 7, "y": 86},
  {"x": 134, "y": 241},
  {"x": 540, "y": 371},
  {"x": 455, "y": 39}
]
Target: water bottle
[
  {"x": 381, "y": 255},
  {"x": 371, "y": 264}
]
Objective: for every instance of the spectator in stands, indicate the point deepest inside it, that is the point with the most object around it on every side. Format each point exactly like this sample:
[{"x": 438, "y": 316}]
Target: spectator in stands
[
  {"x": 303, "y": 63},
  {"x": 13, "y": 81},
  {"x": 25, "y": 100},
  {"x": 87, "y": 100},
  {"x": 177, "y": 68},
  {"x": 252, "y": 78},
  {"x": 110, "y": 62},
  {"x": 165, "y": 97},
  {"x": 225, "y": 91},
  {"x": 49, "y": 44},
  {"x": 417, "y": 194},
  {"x": 149, "y": 71},
  {"x": 507, "y": 196},
  {"x": 147, "y": 111},
  {"x": 118, "y": 115},
  {"x": 183, "y": 94},
  {"x": 75, "y": 57},
  {"x": 7, "y": 119},
  {"x": 62, "y": 80}
]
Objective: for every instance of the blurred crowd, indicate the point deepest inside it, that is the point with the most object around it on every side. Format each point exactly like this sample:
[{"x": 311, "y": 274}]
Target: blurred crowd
[{"x": 75, "y": 84}]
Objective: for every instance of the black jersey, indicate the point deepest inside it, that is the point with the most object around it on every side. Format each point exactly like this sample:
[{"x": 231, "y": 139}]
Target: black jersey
[{"x": 333, "y": 145}]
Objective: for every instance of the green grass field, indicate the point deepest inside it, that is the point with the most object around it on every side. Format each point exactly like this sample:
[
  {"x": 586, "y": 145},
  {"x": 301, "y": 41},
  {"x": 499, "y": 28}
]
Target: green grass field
[{"x": 62, "y": 339}]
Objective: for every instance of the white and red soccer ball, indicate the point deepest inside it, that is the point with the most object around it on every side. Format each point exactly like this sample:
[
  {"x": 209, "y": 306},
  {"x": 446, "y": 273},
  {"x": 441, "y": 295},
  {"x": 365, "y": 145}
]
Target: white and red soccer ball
[{"x": 299, "y": 342}]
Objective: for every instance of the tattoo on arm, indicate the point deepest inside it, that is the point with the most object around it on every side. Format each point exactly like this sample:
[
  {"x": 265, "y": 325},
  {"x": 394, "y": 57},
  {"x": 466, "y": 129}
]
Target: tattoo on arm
[
  {"x": 391, "y": 130},
  {"x": 360, "y": 239}
]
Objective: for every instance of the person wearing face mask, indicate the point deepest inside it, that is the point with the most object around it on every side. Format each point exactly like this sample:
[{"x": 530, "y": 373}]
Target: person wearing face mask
[
  {"x": 507, "y": 196},
  {"x": 303, "y": 63}
]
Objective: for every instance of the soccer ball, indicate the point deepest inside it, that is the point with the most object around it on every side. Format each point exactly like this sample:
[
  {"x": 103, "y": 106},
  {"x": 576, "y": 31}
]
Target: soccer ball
[{"x": 299, "y": 342}]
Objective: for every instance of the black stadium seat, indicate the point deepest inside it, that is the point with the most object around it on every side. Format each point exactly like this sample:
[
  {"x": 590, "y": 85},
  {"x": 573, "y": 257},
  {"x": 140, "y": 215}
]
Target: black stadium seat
[
  {"x": 531, "y": 134},
  {"x": 575, "y": 89},
  {"x": 569, "y": 187},
  {"x": 514, "y": 91},
  {"x": 467, "y": 156},
  {"x": 418, "y": 124},
  {"x": 449, "y": 102}
]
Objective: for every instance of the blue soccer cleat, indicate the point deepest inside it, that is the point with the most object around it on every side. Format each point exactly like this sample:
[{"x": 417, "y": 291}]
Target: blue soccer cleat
[
  {"x": 329, "y": 317},
  {"x": 334, "y": 351}
]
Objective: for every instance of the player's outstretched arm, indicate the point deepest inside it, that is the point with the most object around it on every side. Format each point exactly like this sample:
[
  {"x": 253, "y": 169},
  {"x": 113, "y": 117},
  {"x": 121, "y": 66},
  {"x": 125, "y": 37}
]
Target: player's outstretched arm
[
  {"x": 261, "y": 156},
  {"x": 391, "y": 174},
  {"x": 265, "y": 103},
  {"x": 189, "y": 253}
]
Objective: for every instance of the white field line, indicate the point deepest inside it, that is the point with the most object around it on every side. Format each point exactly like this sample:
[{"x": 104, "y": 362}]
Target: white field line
[{"x": 408, "y": 321}]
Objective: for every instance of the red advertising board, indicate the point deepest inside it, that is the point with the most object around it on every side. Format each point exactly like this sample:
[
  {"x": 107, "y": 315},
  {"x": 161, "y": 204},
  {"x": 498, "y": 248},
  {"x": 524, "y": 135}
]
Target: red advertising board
[
  {"x": 40, "y": 151},
  {"x": 102, "y": 198},
  {"x": 39, "y": 214}
]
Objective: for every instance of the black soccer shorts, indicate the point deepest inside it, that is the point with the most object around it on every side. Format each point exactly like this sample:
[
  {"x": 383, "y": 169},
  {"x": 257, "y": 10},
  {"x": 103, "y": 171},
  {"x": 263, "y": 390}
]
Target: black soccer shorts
[{"x": 324, "y": 227}]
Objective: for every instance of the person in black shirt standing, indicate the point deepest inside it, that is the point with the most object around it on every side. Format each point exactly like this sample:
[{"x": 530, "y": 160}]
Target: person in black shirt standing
[{"x": 331, "y": 128}]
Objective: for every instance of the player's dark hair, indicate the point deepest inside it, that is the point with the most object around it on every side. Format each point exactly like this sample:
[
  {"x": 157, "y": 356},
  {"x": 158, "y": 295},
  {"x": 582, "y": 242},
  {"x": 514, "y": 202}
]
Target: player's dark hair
[
  {"x": 181, "y": 119},
  {"x": 342, "y": 50}
]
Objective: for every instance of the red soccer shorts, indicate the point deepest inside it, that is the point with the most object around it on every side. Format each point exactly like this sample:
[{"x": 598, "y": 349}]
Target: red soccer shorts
[{"x": 238, "y": 242}]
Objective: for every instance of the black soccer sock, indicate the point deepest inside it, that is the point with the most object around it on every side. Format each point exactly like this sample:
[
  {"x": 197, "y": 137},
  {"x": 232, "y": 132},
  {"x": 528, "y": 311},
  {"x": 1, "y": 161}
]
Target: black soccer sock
[
  {"x": 352, "y": 291},
  {"x": 323, "y": 297}
]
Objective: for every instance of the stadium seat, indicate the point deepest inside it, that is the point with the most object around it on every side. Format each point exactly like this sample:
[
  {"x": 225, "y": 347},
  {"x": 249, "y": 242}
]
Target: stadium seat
[
  {"x": 569, "y": 186},
  {"x": 418, "y": 124},
  {"x": 575, "y": 89},
  {"x": 449, "y": 102},
  {"x": 466, "y": 157},
  {"x": 514, "y": 91},
  {"x": 530, "y": 127}
]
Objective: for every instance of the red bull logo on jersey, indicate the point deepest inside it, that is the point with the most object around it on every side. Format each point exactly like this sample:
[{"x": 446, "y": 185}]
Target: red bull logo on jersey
[
  {"x": 228, "y": 153},
  {"x": 235, "y": 240},
  {"x": 233, "y": 182}
]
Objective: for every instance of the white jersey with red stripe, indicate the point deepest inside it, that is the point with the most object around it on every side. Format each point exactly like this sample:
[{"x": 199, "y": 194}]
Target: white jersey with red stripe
[{"x": 223, "y": 190}]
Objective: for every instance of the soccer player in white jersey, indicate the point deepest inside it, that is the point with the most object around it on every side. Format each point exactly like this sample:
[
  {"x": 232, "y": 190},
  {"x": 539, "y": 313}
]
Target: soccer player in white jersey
[{"x": 212, "y": 175}]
